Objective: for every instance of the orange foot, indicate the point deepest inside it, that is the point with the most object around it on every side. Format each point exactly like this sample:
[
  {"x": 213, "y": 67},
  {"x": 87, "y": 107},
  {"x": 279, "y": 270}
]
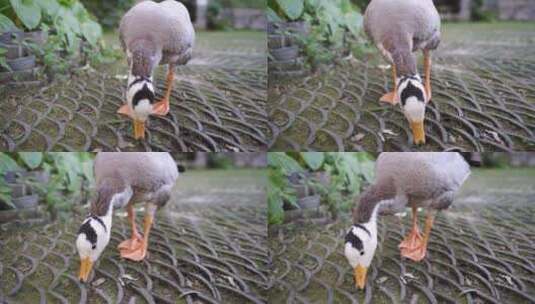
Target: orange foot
[
  {"x": 413, "y": 246},
  {"x": 125, "y": 110},
  {"x": 389, "y": 98},
  {"x": 161, "y": 107},
  {"x": 137, "y": 252},
  {"x": 132, "y": 243}
]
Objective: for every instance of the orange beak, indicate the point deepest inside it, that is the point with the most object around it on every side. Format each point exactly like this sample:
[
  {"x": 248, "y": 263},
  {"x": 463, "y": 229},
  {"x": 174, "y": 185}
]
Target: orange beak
[
  {"x": 85, "y": 269},
  {"x": 418, "y": 132},
  {"x": 139, "y": 129},
  {"x": 360, "y": 276}
]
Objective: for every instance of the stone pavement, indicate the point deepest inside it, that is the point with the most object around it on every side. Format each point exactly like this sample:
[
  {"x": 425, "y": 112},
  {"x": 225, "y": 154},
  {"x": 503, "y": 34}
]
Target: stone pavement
[
  {"x": 217, "y": 103},
  {"x": 483, "y": 83},
  {"x": 482, "y": 250},
  {"x": 208, "y": 245}
]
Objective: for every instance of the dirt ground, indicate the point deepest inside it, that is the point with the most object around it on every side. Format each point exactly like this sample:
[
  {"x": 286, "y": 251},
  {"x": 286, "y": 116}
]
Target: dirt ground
[
  {"x": 481, "y": 251},
  {"x": 208, "y": 245},
  {"x": 483, "y": 82},
  {"x": 218, "y": 103}
]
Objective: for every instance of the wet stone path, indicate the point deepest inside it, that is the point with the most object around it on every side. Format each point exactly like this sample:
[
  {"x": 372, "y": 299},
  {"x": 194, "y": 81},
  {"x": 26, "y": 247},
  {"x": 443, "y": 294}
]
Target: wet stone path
[
  {"x": 483, "y": 83},
  {"x": 482, "y": 250},
  {"x": 218, "y": 103},
  {"x": 207, "y": 246}
]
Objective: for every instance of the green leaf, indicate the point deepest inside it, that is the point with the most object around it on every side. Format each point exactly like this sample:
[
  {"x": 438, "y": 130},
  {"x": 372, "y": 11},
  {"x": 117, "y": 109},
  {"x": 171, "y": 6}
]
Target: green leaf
[
  {"x": 7, "y": 163},
  {"x": 28, "y": 12},
  {"x": 275, "y": 211},
  {"x": 3, "y": 61},
  {"x": 50, "y": 7},
  {"x": 6, "y": 198},
  {"x": 272, "y": 16},
  {"x": 284, "y": 162},
  {"x": 91, "y": 31},
  {"x": 31, "y": 159},
  {"x": 68, "y": 21},
  {"x": 292, "y": 8},
  {"x": 6, "y": 23},
  {"x": 354, "y": 22},
  {"x": 314, "y": 160}
]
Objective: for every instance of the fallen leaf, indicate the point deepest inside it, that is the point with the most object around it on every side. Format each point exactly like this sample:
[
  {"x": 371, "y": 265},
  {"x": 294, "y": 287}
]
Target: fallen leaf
[
  {"x": 128, "y": 277},
  {"x": 358, "y": 137},
  {"x": 231, "y": 280},
  {"x": 389, "y": 132},
  {"x": 98, "y": 282},
  {"x": 381, "y": 280}
]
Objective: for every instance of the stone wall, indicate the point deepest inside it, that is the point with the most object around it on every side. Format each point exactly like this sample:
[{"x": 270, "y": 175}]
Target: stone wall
[
  {"x": 516, "y": 9},
  {"x": 246, "y": 18}
]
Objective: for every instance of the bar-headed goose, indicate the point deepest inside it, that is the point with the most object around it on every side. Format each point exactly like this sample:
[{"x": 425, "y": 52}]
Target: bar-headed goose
[
  {"x": 124, "y": 179},
  {"x": 399, "y": 28},
  {"x": 151, "y": 34},
  {"x": 426, "y": 179}
]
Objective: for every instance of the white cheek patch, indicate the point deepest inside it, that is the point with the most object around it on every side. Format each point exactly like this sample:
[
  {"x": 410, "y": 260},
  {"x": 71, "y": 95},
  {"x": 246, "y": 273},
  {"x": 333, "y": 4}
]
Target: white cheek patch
[
  {"x": 367, "y": 234},
  {"x": 414, "y": 110},
  {"x": 143, "y": 109}
]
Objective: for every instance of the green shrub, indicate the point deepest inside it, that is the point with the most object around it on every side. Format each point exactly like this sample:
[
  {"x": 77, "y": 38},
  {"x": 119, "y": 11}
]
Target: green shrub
[
  {"x": 335, "y": 26},
  {"x": 69, "y": 174},
  {"x": 348, "y": 172},
  {"x": 67, "y": 22}
]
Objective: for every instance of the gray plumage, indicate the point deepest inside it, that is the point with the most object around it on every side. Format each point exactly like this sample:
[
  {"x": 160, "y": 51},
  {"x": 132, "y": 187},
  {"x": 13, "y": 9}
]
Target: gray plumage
[
  {"x": 400, "y": 27},
  {"x": 151, "y": 175},
  {"x": 425, "y": 179},
  {"x": 157, "y": 33}
]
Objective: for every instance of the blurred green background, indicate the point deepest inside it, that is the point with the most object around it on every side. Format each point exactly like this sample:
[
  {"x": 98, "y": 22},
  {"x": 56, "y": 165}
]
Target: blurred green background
[
  {"x": 35, "y": 185},
  {"x": 322, "y": 185}
]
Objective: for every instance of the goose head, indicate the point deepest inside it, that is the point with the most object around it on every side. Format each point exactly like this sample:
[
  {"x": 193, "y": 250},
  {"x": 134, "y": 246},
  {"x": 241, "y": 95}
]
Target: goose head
[
  {"x": 140, "y": 96},
  {"x": 359, "y": 249},
  {"x": 413, "y": 99},
  {"x": 95, "y": 232},
  {"x": 93, "y": 237}
]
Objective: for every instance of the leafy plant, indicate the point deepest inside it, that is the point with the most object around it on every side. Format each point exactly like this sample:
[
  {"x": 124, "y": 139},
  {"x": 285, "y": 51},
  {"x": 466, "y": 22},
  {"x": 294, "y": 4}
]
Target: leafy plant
[
  {"x": 69, "y": 174},
  {"x": 335, "y": 27},
  {"x": 347, "y": 173},
  {"x": 3, "y": 62},
  {"x": 279, "y": 189},
  {"x": 67, "y": 22}
]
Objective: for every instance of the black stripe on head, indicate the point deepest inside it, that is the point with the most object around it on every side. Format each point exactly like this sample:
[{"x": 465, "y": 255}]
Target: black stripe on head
[
  {"x": 355, "y": 241},
  {"x": 363, "y": 228},
  {"x": 139, "y": 79},
  {"x": 90, "y": 233},
  {"x": 144, "y": 93},
  {"x": 411, "y": 91},
  {"x": 96, "y": 218}
]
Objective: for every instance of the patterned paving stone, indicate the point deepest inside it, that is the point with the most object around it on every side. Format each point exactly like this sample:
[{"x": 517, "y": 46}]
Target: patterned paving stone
[
  {"x": 218, "y": 103},
  {"x": 208, "y": 246},
  {"x": 481, "y": 251},
  {"x": 483, "y": 99}
]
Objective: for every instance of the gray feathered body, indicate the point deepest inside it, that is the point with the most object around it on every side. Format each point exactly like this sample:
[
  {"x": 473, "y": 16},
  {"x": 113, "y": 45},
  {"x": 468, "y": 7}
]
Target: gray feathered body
[
  {"x": 167, "y": 24},
  {"x": 151, "y": 175},
  {"x": 426, "y": 179},
  {"x": 400, "y": 27}
]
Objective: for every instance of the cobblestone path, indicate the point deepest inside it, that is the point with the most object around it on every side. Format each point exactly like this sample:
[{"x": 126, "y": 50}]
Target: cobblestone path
[
  {"x": 481, "y": 251},
  {"x": 208, "y": 245},
  {"x": 483, "y": 83},
  {"x": 218, "y": 103}
]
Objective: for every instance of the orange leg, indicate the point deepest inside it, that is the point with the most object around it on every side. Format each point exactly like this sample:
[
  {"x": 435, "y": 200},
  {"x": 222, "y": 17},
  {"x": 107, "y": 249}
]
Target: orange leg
[
  {"x": 391, "y": 97},
  {"x": 136, "y": 238},
  {"x": 411, "y": 245},
  {"x": 162, "y": 106},
  {"x": 427, "y": 68},
  {"x": 138, "y": 254}
]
